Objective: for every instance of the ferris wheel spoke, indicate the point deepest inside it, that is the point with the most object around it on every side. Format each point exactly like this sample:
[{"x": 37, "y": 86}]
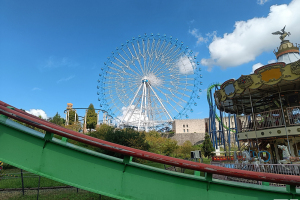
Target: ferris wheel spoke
[
  {"x": 138, "y": 59},
  {"x": 173, "y": 95},
  {"x": 132, "y": 59},
  {"x": 126, "y": 67},
  {"x": 178, "y": 88},
  {"x": 160, "y": 102},
  {"x": 176, "y": 91},
  {"x": 142, "y": 52},
  {"x": 159, "y": 60},
  {"x": 132, "y": 101},
  {"x": 151, "y": 54}
]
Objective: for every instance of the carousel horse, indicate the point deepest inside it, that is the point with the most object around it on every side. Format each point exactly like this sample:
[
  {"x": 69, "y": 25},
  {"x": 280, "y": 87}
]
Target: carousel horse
[
  {"x": 256, "y": 162},
  {"x": 246, "y": 156},
  {"x": 287, "y": 158}
]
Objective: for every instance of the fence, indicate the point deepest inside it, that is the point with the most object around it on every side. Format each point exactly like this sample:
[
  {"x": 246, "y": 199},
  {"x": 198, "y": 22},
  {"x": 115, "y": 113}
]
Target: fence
[
  {"x": 294, "y": 115},
  {"x": 287, "y": 169},
  {"x": 263, "y": 120},
  {"x": 19, "y": 184}
]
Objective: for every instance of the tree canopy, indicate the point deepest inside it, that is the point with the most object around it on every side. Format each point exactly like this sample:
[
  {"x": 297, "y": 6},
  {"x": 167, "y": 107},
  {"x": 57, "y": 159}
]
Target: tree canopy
[
  {"x": 127, "y": 137},
  {"x": 57, "y": 120},
  {"x": 91, "y": 117},
  {"x": 207, "y": 147}
]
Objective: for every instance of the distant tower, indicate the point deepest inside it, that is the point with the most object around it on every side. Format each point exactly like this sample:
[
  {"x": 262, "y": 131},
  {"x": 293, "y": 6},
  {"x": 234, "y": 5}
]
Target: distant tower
[{"x": 69, "y": 108}]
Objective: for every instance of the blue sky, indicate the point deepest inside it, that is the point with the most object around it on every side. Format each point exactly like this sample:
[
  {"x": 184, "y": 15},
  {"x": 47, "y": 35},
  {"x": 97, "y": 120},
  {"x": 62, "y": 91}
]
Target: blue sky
[{"x": 51, "y": 52}]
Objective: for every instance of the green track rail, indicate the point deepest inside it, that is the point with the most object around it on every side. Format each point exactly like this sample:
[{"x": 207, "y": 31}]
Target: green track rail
[
  {"x": 64, "y": 162},
  {"x": 208, "y": 99}
]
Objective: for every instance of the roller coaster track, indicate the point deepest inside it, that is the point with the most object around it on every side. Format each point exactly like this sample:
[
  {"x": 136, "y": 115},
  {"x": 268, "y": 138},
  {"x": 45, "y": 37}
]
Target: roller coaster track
[
  {"x": 59, "y": 160},
  {"x": 210, "y": 104}
]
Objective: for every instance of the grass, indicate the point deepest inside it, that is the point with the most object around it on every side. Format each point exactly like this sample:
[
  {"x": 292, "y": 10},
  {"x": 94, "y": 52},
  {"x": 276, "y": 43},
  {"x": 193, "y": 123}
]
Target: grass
[
  {"x": 29, "y": 182},
  {"x": 54, "y": 195}
]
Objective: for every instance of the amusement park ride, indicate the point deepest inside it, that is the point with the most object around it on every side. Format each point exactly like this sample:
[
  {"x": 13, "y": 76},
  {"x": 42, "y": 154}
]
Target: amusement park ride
[
  {"x": 264, "y": 105},
  {"x": 265, "y": 108},
  {"x": 149, "y": 81}
]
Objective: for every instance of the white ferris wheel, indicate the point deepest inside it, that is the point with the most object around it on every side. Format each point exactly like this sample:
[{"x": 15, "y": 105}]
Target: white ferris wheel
[{"x": 149, "y": 81}]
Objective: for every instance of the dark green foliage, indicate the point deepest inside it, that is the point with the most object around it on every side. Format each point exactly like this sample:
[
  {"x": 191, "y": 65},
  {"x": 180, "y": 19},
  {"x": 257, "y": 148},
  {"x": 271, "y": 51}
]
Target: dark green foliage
[
  {"x": 72, "y": 117},
  {"x": 91, "y": 118},
  {"x": 127, "y": 137},
  {"x": 207, "y": 147},
  {"x": 57, "y": 120}
]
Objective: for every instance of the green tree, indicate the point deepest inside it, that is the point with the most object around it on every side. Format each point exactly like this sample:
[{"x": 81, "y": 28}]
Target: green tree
[
  {"x": 72, "y": 117},
  {"x": 169, "y": 146},
  {"x": 127, "y": 137},
  {"x": 57, "y": 120},
  {"x": 76, "y": 126},
  {"x": 207, "y": 147},
  {"x": 186, "y": 149},
  {"x": 91, "y": 118}
]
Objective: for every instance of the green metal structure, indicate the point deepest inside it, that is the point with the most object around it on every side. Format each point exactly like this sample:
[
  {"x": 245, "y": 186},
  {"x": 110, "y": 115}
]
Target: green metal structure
[{"x": 59, "y": 160}]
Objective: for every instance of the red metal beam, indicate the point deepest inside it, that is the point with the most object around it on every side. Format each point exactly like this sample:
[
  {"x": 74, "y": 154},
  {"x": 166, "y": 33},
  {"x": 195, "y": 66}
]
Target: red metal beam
[{"x": 53, "y": 128}]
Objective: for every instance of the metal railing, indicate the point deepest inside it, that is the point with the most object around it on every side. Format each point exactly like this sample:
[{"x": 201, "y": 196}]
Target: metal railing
[
  {"x": 287, "y": 169},
  {"x": 294, "y": 115},
  {"x": 263, "y": 120}
]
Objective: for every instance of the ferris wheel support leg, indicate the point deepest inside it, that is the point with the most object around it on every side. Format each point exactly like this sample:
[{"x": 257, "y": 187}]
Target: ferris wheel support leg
[
  {"x": 146, "y": 108},
  {"x": 131, "y": 103},
  {"x": 160, "y": 102},
  {"x": 143, "y": 94}
]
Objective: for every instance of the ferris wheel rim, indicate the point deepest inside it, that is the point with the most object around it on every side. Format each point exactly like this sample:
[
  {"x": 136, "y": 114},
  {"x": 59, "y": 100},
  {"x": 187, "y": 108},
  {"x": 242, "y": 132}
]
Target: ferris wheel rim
[{"x": 163, "y": 75}]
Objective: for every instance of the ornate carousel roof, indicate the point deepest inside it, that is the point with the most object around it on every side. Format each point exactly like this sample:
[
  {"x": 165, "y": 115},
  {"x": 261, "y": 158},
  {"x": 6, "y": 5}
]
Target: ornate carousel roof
[{"x": 261, "y": 90}]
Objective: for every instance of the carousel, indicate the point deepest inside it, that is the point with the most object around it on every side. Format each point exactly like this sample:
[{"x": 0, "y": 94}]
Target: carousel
[{"x": 266, "y": 106}]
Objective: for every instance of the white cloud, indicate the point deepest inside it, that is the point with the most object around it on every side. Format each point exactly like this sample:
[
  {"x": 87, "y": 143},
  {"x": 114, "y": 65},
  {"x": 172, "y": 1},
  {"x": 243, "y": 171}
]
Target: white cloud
[
  {"x": 185, "y": 66},
  {"x": 262, "y": 2},
  {"x": 154, "y": 80},
  {"x": 131, "y": 115},
  {"x": 192, "y": 21},
  {"x": 38, "y": 112},
  {"x": 256, "y": 66},
  {"x": 197, "y": 35},
  {"x": 36, "y": 88},
  {"x": 272, "y": 61},
  {"x": 53, "y": 62},
  {"x": 252, "y": 37},
  {"x": 65, "y": 79}
]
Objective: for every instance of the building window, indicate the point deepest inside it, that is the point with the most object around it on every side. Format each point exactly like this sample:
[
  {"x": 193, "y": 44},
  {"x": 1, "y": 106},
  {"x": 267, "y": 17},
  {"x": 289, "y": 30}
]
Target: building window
[
  {"x": 184, "y": 130},
  {"x": 187, "y": 130},
  {"x": 187, "y": 125},
  {"x": 183, "y": 126}
]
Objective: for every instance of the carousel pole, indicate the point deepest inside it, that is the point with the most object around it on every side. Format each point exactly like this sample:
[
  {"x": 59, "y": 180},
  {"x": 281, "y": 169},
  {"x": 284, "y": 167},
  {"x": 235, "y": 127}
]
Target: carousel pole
[
  {"x": 282, "y": 112},
  {"x": 236, "y": 131},
  {"x": 254, "y": 119},
  {"x": 229, "y": 131}
]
